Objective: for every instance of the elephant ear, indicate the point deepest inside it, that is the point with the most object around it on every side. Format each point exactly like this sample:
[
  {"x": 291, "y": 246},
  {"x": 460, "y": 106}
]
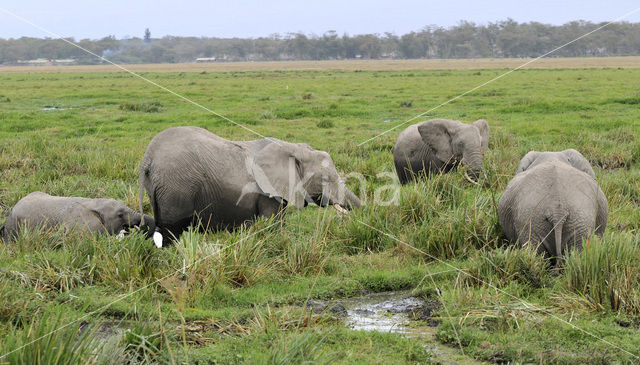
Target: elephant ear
[
  {"x": 435, "y": 134},
  {"x": 88, "y": 216},
  {"x": 278, "y": 174},
  {"x": 483, "y": 128},
  {"x": 98, "y": 216},
  {"x": 577, "y": 160},
  {"x": 526, "y": 161}
]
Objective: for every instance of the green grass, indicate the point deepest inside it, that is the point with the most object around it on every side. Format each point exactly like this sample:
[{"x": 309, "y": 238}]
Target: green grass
[{"x": 239, "y": 298}]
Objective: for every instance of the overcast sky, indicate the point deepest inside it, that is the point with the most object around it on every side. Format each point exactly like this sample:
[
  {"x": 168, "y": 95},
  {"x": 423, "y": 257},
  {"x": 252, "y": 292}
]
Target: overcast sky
[{"x": 251, "y": 18}]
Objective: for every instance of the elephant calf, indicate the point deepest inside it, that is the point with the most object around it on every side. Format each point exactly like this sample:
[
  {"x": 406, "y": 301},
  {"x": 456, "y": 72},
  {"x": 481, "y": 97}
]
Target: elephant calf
[
  {"x": 193, "y": 176},
  {"x": 102, "y": 216},
  {"x": 553, "y": 200},
  {"x": 438, "y": 145}
]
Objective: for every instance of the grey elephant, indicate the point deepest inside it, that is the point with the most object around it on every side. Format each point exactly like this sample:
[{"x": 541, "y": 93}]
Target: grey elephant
[
  {"x": 570, "y": 156},
  {"x": 552, "y": 203},
  {"x": 100, "y": 216},
  {"x": 438, "y": 145},
  {"x": 194, "y": 176}
]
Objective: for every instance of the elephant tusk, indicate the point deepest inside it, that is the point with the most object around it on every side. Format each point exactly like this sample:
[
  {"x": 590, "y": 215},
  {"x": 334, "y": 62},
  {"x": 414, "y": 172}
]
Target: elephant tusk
[
  {"x": 340, "y": 209},
  {"x": 121, "y": 234},
  {"x": 466, "y": 176},
  {"x": 157, "y": 239}
]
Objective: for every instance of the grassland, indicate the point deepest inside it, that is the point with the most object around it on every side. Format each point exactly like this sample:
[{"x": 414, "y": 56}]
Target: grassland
[
  {"x": 353, "y": 65},
  {"x": 240, "y": 299}
]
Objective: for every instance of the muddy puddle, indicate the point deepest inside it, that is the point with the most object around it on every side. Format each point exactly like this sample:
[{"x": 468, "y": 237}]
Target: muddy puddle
[
  {"x": 49, "y": 108},
  {"x": 395, "y": 312}
]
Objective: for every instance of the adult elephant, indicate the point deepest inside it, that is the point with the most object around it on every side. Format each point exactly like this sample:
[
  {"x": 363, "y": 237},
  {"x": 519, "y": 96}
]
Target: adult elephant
[
  {"x": 101, "y": 216},
  {"x": 438, "y": 145},
  {"x": 193, "y": 176},
  {"x": 570, "y": 157},
  {"x": 553, "y": 204}
]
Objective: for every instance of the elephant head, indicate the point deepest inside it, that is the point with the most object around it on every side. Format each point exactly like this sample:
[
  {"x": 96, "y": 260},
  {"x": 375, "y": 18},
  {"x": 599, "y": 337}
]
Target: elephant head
[
  {"x": 298, "y": 174},
  {"x": 116, "y": 217},
  {"x": 570, "y": 157},
  {"x": 453, "y": 142}
]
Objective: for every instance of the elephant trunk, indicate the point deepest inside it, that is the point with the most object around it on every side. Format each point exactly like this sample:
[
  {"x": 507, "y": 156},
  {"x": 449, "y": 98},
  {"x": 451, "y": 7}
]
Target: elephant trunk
[
  {"x": 473, "y": 161},
  {"x": 337, "y": 194},
  {"x": 351, "y": 200},
  {"x": 144, "y": 222},
  {"x": 148, "y": 225}
]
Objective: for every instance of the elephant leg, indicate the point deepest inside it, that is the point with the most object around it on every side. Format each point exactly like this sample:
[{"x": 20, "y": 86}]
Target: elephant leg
[
  {"x": 402, "y": 174},
  {"x": 403, "y": 169},
  {"x": 173, "y": 230},
  {"x": 407, "y": 175},
  {"x": 420, "y": 170}
]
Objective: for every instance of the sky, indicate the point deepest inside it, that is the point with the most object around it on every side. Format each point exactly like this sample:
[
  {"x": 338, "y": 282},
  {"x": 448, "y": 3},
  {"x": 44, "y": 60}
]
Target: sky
[{"x": 250, "y": 18}]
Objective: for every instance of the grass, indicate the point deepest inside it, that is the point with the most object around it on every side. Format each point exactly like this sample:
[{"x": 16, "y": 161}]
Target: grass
[
  {"x": 235, "y": 297},
  {"x": 607, "y": 272},
  {"x": 355, "y": 65},
  {"x": 36, "y": 342},
  {"x": 141, "y": 107}
]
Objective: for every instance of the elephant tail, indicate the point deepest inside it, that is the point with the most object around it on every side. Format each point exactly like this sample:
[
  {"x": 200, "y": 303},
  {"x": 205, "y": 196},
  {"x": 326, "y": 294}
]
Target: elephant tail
[
  {"x": 557, "y": 231},
  {"x": 141, "y": 194},
  {"x": 144, "y": 176},
  {"x": 558, "y": 238},
  {"x": 156, "y": 210},
  {"x": 157, "y": 234}
]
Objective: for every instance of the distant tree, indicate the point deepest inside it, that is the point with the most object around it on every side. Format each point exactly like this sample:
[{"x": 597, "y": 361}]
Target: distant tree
[{"x": 505, "y": 38}]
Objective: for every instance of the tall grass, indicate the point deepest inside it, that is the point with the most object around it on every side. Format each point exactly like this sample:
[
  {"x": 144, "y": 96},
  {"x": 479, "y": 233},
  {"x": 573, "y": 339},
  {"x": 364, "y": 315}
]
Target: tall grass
[
  {"x": 62, "y": 260},
  {"x": 607, "y": 272},
  {"x": 126, "y": 263},
  {"x": 303, "y": 348},
  {"x": 458, "y": 231},
  {"x": 501, "y": 267},
  {"x": 304, "y": 256},
  {"x": 435, "y": 215},
  {"x": 49, "y": 340},
  {"x": 52, "y": 259},
  {"x": 145, "y": 344},
  {"x": 16, "y": 303},
  {"x": 199, "y": 263}
]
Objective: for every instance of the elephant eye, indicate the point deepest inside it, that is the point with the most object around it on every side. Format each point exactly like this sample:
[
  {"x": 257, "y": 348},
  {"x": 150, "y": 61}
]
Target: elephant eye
[{"x": 120, "y": 215}]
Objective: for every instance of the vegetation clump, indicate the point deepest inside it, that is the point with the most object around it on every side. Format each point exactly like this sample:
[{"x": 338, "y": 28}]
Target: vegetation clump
[
  {"x": 607, "y": 272},
  {"x": 505, "y": 266},
  {"x": 153, "y": 107},
  {"x": 325, "y": 124}
]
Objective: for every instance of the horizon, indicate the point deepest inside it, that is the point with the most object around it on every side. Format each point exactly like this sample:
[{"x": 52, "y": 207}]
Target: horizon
[{"x": 251, "y": 20}]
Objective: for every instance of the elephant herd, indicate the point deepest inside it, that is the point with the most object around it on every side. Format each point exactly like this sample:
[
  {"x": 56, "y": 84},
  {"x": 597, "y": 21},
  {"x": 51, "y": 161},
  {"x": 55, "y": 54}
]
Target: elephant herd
[
  {"x": 194, "y": 177},
  {"x": 553, "y": 200}
]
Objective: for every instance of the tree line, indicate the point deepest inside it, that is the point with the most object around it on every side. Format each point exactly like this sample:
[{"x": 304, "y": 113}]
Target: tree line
[{"x": 506, "y": 38}]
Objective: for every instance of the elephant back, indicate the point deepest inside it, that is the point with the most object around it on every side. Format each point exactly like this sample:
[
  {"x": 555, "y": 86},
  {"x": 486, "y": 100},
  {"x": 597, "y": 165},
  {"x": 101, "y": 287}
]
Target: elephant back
[{"x": 552, "y": 196}]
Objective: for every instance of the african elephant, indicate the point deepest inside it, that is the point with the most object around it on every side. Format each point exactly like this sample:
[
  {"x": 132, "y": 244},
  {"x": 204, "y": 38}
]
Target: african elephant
[
  {"x": 553, "y": 204},
  {"x": 194, "y": 176},
  {"x": 101, "y": 216},
  {"x": 570, "y": 156},
  {"x": 438, "y": 145}
]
